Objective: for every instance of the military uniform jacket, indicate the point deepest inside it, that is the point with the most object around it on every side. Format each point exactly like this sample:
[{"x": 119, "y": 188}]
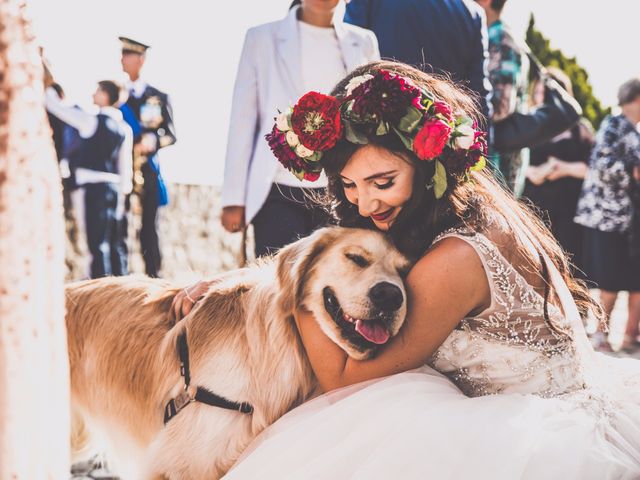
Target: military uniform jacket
[{"x": 151, "y": 113}]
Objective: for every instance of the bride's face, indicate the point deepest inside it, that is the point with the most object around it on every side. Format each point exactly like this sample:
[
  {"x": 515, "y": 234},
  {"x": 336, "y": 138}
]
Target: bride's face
[{"x": 379, "y": 182}]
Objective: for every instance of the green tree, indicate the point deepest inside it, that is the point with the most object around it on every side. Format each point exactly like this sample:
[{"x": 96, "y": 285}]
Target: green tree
[{"x": 592, "y": 108}]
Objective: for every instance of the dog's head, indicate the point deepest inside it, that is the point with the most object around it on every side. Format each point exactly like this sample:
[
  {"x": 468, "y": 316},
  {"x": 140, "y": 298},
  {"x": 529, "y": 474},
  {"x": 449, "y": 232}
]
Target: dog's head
[{"x": 351, "y": 280}]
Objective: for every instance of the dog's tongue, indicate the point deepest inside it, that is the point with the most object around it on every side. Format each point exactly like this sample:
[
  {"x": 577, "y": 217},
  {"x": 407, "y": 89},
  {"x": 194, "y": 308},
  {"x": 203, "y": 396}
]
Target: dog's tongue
[{"x": 373, "y": 331}]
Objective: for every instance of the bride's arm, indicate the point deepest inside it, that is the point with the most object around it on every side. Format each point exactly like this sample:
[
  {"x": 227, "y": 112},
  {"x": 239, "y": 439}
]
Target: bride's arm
[{"x": 442, "y": 288}]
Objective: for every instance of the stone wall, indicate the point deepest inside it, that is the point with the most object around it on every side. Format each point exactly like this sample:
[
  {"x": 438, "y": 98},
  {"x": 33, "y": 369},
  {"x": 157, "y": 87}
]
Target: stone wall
[{"x": 192, "y": 241}]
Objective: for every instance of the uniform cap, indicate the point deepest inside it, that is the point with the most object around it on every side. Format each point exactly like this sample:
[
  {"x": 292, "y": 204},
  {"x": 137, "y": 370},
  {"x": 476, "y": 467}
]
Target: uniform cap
[{"x": 133, "y": 46}]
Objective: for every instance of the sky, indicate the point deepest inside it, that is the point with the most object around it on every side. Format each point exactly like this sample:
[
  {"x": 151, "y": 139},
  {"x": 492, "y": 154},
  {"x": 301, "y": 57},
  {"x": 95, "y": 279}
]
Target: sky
[{"x": 196, "y": 46}]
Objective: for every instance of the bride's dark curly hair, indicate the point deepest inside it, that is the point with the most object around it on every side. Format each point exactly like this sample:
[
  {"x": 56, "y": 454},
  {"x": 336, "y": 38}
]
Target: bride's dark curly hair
[{"x": 475, "y": 204}]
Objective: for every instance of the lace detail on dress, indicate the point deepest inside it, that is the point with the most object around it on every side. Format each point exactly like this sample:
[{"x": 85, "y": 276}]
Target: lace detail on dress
[{"x": 509, "y": 347}]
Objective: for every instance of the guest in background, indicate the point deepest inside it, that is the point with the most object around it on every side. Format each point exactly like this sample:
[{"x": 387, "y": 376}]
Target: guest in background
[
  {"x": 509, "y": 76},
  {"x": 313, "y": 50},
  {"x": 608, "y": 211},
  {"x": 555, "y": 175},
  {"x": 148, "y": 111},
  {"x": 102, "y": 166},
  {"x": 438, "y": 36}
]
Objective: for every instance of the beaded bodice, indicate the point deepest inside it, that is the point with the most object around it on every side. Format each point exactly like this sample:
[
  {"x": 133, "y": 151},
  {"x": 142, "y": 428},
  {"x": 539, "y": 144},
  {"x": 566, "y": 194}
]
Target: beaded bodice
[{"x": 510, "y": 347}]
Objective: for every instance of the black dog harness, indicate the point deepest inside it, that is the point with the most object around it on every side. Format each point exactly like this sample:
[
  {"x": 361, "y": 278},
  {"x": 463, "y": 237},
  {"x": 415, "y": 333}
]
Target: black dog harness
[{"x": 199, "y": 394}]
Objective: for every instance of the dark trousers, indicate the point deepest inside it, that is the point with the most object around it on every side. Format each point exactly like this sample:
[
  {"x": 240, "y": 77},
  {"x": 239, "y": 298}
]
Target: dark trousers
[
  {"x": 119, "y": 247},
  {"x": 570, "y": 236},
  {"x": 287, "y": 215},
  {"x": 100, "y": 206},
  {"x": 149, "y": 243}
]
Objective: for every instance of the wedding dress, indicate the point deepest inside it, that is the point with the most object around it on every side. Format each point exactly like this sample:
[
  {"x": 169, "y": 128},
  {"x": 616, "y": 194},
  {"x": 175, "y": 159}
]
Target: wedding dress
[{"x": 508, "y": 395}]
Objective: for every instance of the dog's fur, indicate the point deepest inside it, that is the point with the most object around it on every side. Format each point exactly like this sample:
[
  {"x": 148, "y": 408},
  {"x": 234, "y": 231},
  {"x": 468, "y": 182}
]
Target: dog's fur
[{"x": 243, "y": 345}]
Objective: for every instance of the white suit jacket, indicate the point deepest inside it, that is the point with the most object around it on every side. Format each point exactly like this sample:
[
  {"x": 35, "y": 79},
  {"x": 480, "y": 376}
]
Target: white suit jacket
[{"x": 270, "y": 78}]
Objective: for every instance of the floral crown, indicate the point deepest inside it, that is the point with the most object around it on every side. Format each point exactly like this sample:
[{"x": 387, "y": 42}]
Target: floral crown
[{"x": 378, "y": 105}]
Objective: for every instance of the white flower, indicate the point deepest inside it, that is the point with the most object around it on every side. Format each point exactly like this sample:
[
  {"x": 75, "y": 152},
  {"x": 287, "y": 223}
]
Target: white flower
[
  {"x": 355, "y": 82},
  {"x": 303, "y": 152},
  {"x": 466, "y": 137},
  {"x": 292, "y": 138},
  {"x": 282, "y": 122}
]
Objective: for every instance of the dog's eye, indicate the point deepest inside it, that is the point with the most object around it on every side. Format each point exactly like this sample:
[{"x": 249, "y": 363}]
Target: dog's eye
[{"x": 357, "y": 259}]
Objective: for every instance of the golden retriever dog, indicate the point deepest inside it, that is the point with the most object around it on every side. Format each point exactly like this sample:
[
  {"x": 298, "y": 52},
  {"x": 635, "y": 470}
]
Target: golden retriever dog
[{"x": 242, "y": 342}]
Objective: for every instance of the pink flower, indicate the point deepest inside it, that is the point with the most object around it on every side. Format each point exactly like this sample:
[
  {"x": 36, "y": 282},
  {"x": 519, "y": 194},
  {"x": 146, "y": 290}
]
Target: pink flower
[
  {"x": 431, "y": 139},
  {"x": 281, "y": 149},
  {"x": 443, "y": 109}
]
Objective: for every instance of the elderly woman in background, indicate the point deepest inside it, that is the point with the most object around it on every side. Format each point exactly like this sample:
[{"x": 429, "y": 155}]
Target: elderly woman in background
[
  {"x": 607, "y": 208},
  {"x": 556, "y": 173}
]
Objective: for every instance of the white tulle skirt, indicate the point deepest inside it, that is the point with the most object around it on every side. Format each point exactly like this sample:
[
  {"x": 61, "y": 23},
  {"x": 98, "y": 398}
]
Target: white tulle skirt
[{"x": 418, "y": 425}]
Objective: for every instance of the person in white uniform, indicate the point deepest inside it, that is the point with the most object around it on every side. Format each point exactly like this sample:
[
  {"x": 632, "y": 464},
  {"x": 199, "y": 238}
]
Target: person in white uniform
[
  {"x": 310, "y": 49},
  {"x": 103, "y": 169}
]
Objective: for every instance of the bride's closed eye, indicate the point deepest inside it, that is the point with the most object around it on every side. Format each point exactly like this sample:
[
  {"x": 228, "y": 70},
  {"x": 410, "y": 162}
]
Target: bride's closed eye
[{"x": 383, "y": 186}]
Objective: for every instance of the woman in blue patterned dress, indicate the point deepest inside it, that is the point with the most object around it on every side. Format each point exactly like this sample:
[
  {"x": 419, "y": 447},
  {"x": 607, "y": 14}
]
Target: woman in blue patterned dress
[{"x": 608, "y": 211}]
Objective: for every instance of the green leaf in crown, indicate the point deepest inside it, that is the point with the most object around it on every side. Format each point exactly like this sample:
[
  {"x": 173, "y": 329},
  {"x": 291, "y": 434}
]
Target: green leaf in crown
[
  {"x": 354, "y": 135},
  {"x": 439, "y": 180},
  {"x": 411, "y": 120}
]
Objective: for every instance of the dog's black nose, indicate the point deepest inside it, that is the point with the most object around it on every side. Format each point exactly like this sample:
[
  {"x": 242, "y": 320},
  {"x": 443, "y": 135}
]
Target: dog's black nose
[{"x": 386, "y": 296}]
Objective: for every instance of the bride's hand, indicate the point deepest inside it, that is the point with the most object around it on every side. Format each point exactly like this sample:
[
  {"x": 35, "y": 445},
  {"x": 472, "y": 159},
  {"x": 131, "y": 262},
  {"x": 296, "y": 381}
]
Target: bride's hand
[{"x": 185, "y": 300}]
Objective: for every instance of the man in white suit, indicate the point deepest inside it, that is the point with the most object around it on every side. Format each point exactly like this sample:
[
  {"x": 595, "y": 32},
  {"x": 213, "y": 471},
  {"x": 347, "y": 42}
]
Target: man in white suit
[{"x": 310, "y": 49}]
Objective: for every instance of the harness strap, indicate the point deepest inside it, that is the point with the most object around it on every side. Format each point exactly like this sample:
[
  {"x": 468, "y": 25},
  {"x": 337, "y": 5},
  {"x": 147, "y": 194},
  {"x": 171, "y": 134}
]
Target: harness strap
[
  {"x": 202, "y": 395},
  {"x": 183, "y": 354},
  {"x": 206, "y": 396}
]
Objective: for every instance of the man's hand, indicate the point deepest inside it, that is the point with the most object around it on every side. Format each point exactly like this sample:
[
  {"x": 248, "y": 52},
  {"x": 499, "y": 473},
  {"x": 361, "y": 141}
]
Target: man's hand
[
  {"x": 232, "y": 218},
  {"x": 146, "y": 146}
]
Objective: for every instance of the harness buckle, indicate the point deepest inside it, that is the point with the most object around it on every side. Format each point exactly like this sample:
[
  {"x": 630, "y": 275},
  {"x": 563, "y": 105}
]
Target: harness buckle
[
  {"x": 176, "y": 404},
  {"x": 182, "y": 400}
]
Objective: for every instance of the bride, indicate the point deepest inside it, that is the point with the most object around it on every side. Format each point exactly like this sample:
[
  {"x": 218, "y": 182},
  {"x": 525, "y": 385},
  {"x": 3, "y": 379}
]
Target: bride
[{"x": 492, "y": 375}]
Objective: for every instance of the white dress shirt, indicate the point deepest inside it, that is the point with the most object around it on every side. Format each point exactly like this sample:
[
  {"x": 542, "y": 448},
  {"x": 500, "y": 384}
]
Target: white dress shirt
[
  {"x": 322, "y": 67},
  {"x": 137, "y": 87}
]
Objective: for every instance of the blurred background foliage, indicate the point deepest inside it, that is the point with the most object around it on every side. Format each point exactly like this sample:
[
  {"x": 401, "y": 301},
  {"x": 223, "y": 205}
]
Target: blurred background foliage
[{"x": 592, "y": 108}]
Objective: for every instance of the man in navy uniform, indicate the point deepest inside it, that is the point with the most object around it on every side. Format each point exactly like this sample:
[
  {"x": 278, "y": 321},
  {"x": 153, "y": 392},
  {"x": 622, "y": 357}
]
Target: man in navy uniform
[{"x": 149, "y": 113}]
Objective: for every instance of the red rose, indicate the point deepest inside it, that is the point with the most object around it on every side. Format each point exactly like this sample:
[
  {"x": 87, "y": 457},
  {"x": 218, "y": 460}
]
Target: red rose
[
  {"x": 311, "y": 176},
  {"x": 316, "y": 121},
  {"x": 443, "y": 109},
  {"x": 431, "y": 139}
]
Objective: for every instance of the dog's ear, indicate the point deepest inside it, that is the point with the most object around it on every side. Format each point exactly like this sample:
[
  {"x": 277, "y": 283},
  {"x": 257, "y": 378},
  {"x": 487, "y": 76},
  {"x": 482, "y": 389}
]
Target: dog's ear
[{"x": 294, "y": 262}]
